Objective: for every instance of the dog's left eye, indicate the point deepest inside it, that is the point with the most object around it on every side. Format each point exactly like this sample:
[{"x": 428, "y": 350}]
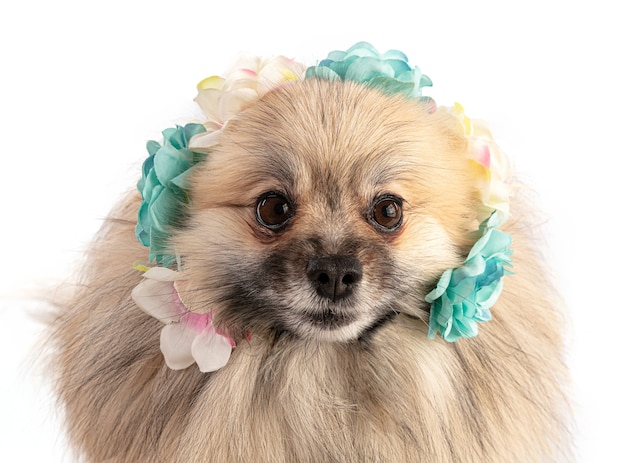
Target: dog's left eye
[
  {"x": 273, "y": 210},
  {"x": 386, "y": 213}
]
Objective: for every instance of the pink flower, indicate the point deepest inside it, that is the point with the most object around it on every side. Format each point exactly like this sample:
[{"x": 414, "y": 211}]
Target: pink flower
[{"x": 187, "y": 337}]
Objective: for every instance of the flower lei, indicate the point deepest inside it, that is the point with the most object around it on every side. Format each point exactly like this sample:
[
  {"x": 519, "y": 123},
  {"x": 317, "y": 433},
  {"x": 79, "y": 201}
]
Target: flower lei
[{"x": 462, "y": 297}]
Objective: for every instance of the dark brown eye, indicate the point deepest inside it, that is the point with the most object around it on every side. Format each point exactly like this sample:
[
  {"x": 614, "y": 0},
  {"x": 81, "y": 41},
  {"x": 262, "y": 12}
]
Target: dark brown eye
[
  {"x": 387, "y": 213},
  {"x": 273, "y": 211}
]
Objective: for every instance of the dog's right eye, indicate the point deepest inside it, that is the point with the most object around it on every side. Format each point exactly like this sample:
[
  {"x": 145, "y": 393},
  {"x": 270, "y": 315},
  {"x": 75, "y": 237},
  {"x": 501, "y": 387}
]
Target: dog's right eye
[
  {"x": 386, "y": 213},
  {"x": 273, "y": 210}
]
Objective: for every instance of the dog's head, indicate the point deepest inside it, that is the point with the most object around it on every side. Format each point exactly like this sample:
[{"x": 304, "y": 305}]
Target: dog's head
[{"x": 326, "y": 209}]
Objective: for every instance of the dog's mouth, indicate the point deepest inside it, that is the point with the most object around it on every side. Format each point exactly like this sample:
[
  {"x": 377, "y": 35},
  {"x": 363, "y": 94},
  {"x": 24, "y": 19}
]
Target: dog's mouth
[
  {"x": 330, "y": 318},
  {"x": 342, "y": 325}
]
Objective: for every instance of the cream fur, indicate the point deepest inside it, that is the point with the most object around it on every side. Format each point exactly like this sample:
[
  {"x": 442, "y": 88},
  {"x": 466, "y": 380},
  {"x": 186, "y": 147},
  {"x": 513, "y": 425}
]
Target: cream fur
[{"x": 298, "y": 394}]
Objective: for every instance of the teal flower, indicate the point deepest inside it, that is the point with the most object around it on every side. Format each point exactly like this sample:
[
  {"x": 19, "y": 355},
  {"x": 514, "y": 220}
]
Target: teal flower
[
  {"x": 464, "y": 295},
  {"x": 163, "y": 188},
  {"x": 389, "y": 72}
]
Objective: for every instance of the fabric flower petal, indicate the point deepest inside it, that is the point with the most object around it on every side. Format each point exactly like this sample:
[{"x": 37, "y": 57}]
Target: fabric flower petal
[
  {"x": 149, "y": 183},
  {"x": 362, "y": 49},
  {"x": 158, "y": 299},
  {"x": 245, "y": 61},
  {"x": 170, "y": 162},
  {"x": 442, "y": 286},
  {"x": 395, "y": 55},
  {"x": 208, "y": 100},
  {"x": 240, "y": 79},
  {"x": 232, "y": 103},
  {"x": 142, "y": 230},
  {"x": 176, "y": 342},
  {"x": 163, "y": 274},
  {"x": 214, "y": 82},
  {"x": 322, "y": 72},
  {"x": 205, "y": 141},
  {"x": 211, "y": 350},
  {"x": 277, "y": 71}
]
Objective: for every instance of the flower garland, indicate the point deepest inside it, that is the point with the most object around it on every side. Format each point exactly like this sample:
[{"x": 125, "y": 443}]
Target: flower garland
[{"x": 462, "y": 297}]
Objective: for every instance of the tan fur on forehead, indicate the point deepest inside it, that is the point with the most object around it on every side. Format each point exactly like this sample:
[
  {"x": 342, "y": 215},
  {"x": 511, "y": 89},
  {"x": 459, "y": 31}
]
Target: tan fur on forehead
[{"x": 324, "y": 136}]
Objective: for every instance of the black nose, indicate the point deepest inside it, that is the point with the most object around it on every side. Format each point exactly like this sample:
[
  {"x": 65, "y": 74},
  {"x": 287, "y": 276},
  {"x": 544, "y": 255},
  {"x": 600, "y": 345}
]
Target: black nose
[{"x": 334, "y": 277}]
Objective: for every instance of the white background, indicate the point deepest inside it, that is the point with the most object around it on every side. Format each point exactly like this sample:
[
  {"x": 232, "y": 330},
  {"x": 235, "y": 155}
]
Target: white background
[{"x": 83, "y": 85}]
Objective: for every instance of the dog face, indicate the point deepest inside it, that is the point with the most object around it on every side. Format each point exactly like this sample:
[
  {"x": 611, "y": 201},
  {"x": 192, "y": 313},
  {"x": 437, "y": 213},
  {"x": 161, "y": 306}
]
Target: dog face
[{"x": 326, "y": 209}]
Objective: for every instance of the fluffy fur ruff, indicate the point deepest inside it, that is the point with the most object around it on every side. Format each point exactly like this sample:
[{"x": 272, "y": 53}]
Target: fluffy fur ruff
[{"x": 375, "y": 390}]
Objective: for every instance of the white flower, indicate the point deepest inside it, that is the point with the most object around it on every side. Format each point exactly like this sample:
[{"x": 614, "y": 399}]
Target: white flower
[
  {"x": 187, "y": 337},
  {"x": 251, "y": 77},
  {"x": 491, "y": 167}
]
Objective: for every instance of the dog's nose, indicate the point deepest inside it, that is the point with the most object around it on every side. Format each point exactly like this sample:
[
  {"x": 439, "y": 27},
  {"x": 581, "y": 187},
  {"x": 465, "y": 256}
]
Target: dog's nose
[{"x": 334, "y": 277}]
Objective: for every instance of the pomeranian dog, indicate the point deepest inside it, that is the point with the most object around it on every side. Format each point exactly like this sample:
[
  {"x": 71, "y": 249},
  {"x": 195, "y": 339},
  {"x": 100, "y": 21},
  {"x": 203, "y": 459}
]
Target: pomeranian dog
[{"x": 313, "y": 233}]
